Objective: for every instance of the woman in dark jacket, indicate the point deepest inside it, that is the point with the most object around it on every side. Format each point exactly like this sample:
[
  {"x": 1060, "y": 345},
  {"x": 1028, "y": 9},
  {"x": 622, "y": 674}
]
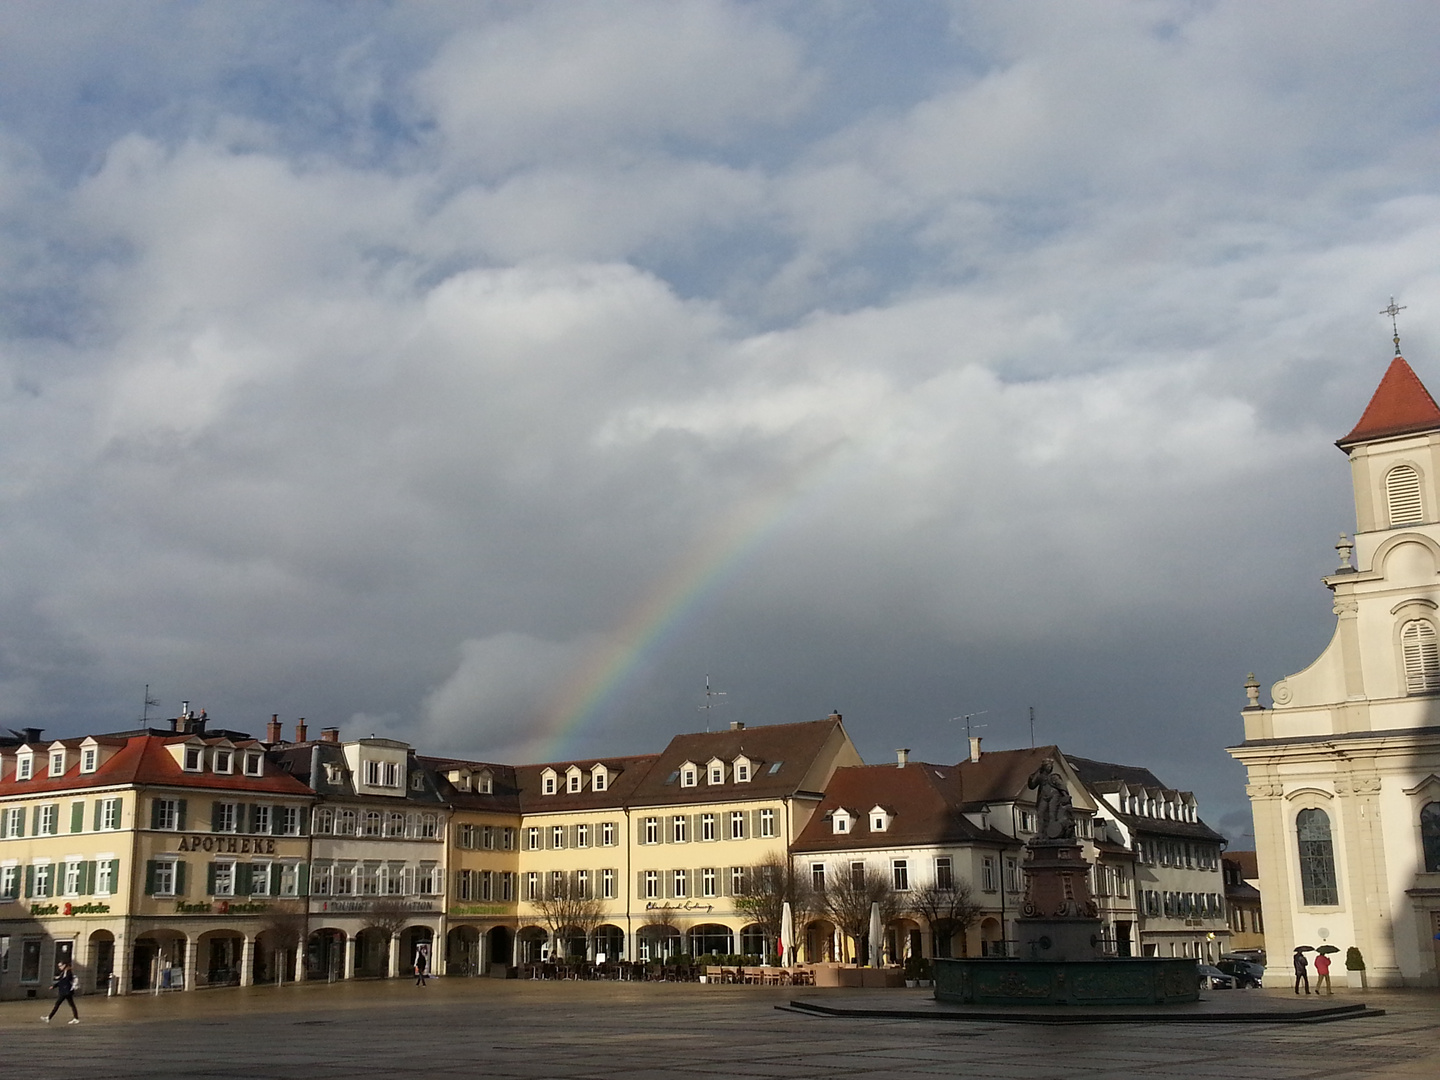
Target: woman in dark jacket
[{"x": 64, "y": 987}]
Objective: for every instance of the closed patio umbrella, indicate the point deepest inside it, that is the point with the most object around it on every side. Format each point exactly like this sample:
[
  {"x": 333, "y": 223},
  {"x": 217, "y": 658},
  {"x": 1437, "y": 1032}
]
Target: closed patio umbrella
[
  {"x": 875, "y": 935},
  {"x": 787, "y": 934}
]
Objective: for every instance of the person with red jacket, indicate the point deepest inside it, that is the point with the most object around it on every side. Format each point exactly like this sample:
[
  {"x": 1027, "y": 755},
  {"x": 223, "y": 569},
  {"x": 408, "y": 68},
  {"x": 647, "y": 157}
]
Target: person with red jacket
[{"x": 1322, "y": 974}]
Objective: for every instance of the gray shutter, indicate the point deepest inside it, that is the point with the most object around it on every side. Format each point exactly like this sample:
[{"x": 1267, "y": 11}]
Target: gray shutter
[
  {"x": 150, "y": 878},
  {"x": 725, "y": 889},
  {"x": 180, "y": 816},
  {"x": 214, "y": 817},
  {"x": 302, "y": 879},
  {"x": 210, "y": 879},
  {"x": 694, "y": 827},
  {"x": 754, "y": 817},
  {"x": 305, "y": 821},
  {"x": 4, "y": 824},
  {"x": 35, "y": 822},
  {"x": 640, "y": 884},
  {"x": 114, "y": 877},
  {"x": 99, "y": 803},
  {"x": 277, "y": 815},
  {"x": 244, "y": 875},
  {"x": 179, "y": 877}
]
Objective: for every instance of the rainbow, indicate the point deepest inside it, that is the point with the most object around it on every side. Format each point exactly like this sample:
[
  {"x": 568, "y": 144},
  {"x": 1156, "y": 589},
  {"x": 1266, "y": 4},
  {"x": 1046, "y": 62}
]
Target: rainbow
[{"x": 681, "y": 595}]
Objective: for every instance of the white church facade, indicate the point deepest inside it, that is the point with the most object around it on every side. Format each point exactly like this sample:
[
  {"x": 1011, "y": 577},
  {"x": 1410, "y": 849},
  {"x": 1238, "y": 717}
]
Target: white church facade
[{"x": 1344, "y": 766}]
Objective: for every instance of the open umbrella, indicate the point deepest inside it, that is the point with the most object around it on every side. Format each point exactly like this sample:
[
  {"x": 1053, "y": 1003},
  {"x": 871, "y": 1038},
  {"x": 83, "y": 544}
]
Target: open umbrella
[
  {"x": 787, "y": 934},
  {"x": 1304, "y": 948},
  {"x": 1328, "y": 949},
  {"x": 875, "y": 935}
]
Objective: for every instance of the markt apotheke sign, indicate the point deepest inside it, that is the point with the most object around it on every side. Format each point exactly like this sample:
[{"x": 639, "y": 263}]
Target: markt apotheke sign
[
  {"x": 229, "y": 845},
  {"x": 69, "y": 909}
]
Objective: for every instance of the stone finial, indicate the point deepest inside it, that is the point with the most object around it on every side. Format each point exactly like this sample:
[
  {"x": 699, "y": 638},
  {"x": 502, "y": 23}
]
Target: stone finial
[
  {"x": 1345, "y": 547},
  {"x": 1252, "y": 691}
]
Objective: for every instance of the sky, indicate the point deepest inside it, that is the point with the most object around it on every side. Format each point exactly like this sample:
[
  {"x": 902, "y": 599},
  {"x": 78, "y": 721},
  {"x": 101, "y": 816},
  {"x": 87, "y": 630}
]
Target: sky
[{"x": 489, "y": 375}]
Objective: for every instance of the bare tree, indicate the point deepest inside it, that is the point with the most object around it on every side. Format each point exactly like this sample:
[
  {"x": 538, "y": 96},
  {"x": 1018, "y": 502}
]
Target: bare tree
[
  {"x": 285, "y": 929},
  {"x": 660, "y": 925},
  {"x": 849, "y": 898},
  {"x": 948, "y": 909},
  {"x": 769, "y": 884},
  {"x": 565, "y": 906},
  {"x": 388, "y": 915}
]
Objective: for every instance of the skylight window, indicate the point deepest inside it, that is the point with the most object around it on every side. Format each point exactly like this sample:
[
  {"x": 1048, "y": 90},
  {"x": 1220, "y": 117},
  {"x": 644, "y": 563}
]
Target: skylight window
[{"x": 776, "y": 767}]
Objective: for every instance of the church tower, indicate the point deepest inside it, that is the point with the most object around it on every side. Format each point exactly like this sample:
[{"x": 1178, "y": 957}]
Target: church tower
[{"x": 1344, "y": 766}]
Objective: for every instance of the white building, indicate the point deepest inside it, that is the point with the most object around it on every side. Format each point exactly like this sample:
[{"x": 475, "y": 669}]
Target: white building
[{"x": 1344, "y": 766}]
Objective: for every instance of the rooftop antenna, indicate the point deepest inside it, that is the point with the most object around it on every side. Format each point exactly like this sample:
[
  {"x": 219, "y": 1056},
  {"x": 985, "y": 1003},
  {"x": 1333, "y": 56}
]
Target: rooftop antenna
[
  {"x": 150, "y": 703},
  {"x": 1032, "y": 727},
  {"x": 709, "y": 702},
  {"x": 1392, "y": 311},
  {"x": 969, "y": 727}
]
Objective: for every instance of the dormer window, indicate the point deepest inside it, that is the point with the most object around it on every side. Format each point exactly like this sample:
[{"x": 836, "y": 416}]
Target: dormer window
[
  {"x": 193, "y": 758},
  {"x": 741, "y": 770},
  {"x": 417, "y": 780},
  {"x": 57, "y": 762},
  {"x": 599, "y": 778},
  {"x": 486, "y": 784},
  {"x": 25, "y": 764},
  {"x": 549, "y": 782},
  {"x": 573, "y": 782},
  {"x": 89, "y": 759},
  {"x": 689, "y": 775},
  {"x": 840, "y": 821},
  {"x": 717, "y": 771},
  {"x": 879, "y": 819},
  {"x": 254, "y": 763},
  {"x": 224, "y": 761}
]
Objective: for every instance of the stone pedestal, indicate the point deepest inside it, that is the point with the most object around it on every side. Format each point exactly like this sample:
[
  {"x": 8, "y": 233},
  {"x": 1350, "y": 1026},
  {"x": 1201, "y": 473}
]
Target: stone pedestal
[{"x": 1059, "y": 920}]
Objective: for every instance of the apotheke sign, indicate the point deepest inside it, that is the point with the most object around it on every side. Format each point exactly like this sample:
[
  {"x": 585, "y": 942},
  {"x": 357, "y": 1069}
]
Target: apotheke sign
[
  {"x": 229, "y": 845},
  {"x": 69, "y": 909}
]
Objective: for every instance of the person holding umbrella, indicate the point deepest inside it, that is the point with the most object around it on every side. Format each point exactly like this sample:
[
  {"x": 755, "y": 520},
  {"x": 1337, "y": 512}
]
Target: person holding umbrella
[
  {"x": 1302, "y": 967},
  {"x": 1322, "y": 969}
]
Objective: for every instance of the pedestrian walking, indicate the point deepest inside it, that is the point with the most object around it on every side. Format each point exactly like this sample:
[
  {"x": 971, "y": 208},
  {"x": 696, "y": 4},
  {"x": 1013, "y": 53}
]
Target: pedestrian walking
[
  {"x": 1302, "y": 971},
  {"x": 420, "y": 967},
  {"x": 64, "y": 987},
  {"x": 1322, "y": 974}
]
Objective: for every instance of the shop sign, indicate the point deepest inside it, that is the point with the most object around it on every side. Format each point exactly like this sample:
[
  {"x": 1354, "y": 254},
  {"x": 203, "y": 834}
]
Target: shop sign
[
  {"x": 39, "y": 910},
  {"x": 361, "y": 907},
  {"x": 688, "y": 905},
  {"x": 222, "y": 907},
  {"x": 229, "y": 845},
  {"x": 478, "y": 909}
]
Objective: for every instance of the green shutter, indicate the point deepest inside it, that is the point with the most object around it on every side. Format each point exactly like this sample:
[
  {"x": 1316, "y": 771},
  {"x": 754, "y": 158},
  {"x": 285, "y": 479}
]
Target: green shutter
[
  {"x": 77, "y": 817},
  {"x": 114, "y": 877},
  {"x": 214, "y": 817},
  {"x": 244, "y": 822},
  {"x": 20, "y": 822},
  {"x": 276, "y": 873},
  {"x": 210, "y": 879},
  {"x": 180, "y": 816},
  {"x": 99, "y": 804},
  {"x": 302, "y": 879},
  {"x": 35, "y": 822},
  {"x": 29, "y": 881},
  {"x": 179, "y": 878},
  {"x": 154, "y": 813},
  {"x": 4, "y": 824},
  {"x": 87, "y": 878},
  {"x": 150, "y": 878},
  {"x": 243, "y": 877},
  {"x": 277, "y": 816}
]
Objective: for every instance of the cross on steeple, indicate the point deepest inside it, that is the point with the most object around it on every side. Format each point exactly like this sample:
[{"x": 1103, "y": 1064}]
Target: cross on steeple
[{"x": 1392, "y": 311}]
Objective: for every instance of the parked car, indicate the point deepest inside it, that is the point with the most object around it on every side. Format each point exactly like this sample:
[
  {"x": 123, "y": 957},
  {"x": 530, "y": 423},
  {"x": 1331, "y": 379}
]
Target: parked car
[
  {"x": 1212, "y": 978},
  {"x": 1244, "y": 972}
]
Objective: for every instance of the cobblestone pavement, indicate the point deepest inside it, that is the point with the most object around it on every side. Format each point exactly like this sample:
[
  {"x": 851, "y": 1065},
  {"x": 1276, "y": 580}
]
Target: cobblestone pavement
[{"x": 485, "y": 1028}]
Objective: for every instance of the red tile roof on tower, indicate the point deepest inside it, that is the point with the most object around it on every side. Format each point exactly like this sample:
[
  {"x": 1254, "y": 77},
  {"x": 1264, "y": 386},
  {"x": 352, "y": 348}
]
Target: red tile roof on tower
[{"x": 1401, "y": 406}]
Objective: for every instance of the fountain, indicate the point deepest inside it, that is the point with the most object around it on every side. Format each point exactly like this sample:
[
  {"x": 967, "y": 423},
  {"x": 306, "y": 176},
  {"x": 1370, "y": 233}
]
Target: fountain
[{"x": 1061, "y": 958}]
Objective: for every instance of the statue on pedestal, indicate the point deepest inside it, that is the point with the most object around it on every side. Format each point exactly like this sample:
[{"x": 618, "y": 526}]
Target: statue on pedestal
[{"x": 1053, "y": 808}]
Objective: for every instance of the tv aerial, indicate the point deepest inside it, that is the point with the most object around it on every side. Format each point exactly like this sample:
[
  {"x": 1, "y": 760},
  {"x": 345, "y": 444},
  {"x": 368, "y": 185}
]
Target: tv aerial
[{"x": 710, "y": 702}]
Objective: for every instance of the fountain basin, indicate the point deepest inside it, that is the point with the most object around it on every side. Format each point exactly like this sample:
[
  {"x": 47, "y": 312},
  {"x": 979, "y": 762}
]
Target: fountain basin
[{"x": 1144, "y": 980}]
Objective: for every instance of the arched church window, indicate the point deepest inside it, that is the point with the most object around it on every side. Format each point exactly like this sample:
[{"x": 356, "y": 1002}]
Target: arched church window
[
  {"x": 1402, "y": 496},
  {"x": 1421, "y": 652},
  {"x": 1430, "y": 836},
  {"x": 1317, "y": 859}
]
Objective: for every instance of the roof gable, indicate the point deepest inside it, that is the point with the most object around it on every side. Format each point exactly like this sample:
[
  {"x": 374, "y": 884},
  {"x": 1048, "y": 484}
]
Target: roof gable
[{"x": 1401, "y": 406}]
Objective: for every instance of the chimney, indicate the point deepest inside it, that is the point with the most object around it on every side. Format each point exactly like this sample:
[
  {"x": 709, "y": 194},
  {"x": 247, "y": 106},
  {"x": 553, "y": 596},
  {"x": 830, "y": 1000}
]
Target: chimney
[
  {"x": 32, "y": 735},
  {"x": 300, "y": 730},
  {"x": 835, "y": 715},
  {"x": 902, "y": 758},
  {"x": 272, "y": 729},
  {"x": 974, "y": 747},
  {"x": 737, "y": 725},
  {"x": 329, "y": 734}
]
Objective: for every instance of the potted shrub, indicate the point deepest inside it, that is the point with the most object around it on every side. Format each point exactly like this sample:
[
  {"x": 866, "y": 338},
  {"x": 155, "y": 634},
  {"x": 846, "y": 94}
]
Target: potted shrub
[
  {"x": 1355, "y": 968},
  {"x": 912, "y": 971},
  {"x": 927, "y": 972}
]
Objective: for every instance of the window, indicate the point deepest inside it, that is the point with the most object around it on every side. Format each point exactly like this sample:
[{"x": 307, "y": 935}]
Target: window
[
  {"x": 944, "y": 873},
  {"x": 987, "y": 874},
  {"x": 707, "y": 826},
  {"x": 165, "y": 877},
  {"x": 487, "y": 784},
  {"x": 817, "y": 876},
  {"x": 465, "y": 836},
  {"x": 877, "y": 822},
  {"x": 254, "y": 763},
  {"x": 582, "y": 835},
  {"x": 324, "y": 822},
  {"x": 109, "y": 813},
  {"x": 57, "y": 763},
  {"x": 681, "y": 884},
  {"x": 487, "y": 837},
  {"x": 680, "y": 829},
  {"x": 737, "y": 881},
  {"x": 557, "y": 837},
  {"x": 598, "y": 780},
  {"x": 652, "y": 830},
  {"x": 487, "y": 885},
  {"x": 507, "y": 886},
  {"x": 737, "y": 825},
  {"x": 582, "y": 884},
  {"x": 775, "y": 768},
  {"x": 767, "y": 823},
  {"x": 707, "y": 881},
  {"x": 607, "y": 884},
  {"x": 372, "y": 773},
  {"x": 289, "y": 879},
  {"x": 532, "y": 886},
  {"x": 857, "y": 875},
  {"x": 224, "y": 761},
  {"x": 370, "y": 824},
  {"x": 290, "y": 820},
  {"x": 104, "y": 877},
  {"x": 1430, "y": 836},
  {"x": 532, "y": 839},
  {"x": 742, "y": 772},
  {"x": 9, "y": 882},
  {"x": 427, "y": 877},
  {"x": 222, "y": 879},
  {"x": 652, "y": 884},
  {"x": 15, "y": 821},
  {"x": 574, "y": 782},
  {"x": 841, "y": 822},
  {"x": 717, "y": 773},
  {"x": 72, "y": 878},
  {"x": 607, "y": 834},
  {"x": 41, "y": 884},
  {"x": 224, "y": 818},
  {"x": 429, "y": 825},
  {"x": 417, "y": 779},
  {"x": 688, "y": 776},
  {"x": 900, "y": 873},
  {"x": 394, "y": 823},
  {"x": 1421, "y": 654},
  {"x": 260, "y": 879},
  {"x": 1012, "y": 875},
  {"x": 1402, "y": 496},
  {"x": 47, "y": 819},
  {"x": 1317, "y": 859},
  {"x": 550, "y": 783},
  {"x": 261, "y": 818},
  {"x": 24, "y": 766},
  {"x": 507, "y": 839}
]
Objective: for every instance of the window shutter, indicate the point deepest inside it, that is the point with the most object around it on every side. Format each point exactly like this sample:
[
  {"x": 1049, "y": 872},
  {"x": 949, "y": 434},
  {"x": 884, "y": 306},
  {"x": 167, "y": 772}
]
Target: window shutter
[
  {"x": 35, "y": 822},
  {"x": 214, "y": 817},
  {"x": 87, "y": 878},
  {"x": 150, "y": 878},
  {"x": 1402, "y": 496},
  {"x": 210, "y": 879},
  {"x": 114, "y": 877},
  {"x": 724, "y": 873},
  {"x": 155, "y": 813},
  {"x": 77, "y": 817},
  {"x": 302, "y": 879},
  {"x": 695, "y": 827},
  {"x": 754, "y": 825},
  {"x": 276, "y": 873},
  {"x": 29, "y": 881},
  {"x": 639, "y": 830},
  {"x": 243, "y": 877},
  {"x": 180, "y": 878},
  {"x": 277, "y": 817},
  {"x": 304, "y": 821},
  {"x": 180, "y": 816},
  {"x": 1421, "y": 653},
  {"x": 99, "y": 804},
  {"x": 20, "y": 823},
  {"x": 640, "y": 884},
  {"x": 4, "y": 824}
]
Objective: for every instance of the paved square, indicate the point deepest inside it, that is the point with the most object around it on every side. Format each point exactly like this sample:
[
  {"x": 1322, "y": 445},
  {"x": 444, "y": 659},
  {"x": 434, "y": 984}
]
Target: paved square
[{"x": 484, "y": 1028}]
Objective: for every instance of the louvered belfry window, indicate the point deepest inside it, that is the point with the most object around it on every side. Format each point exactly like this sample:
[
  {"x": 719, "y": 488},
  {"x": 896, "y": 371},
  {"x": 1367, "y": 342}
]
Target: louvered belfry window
[
  {"x": 1422, "y": 657},
  {"x": 1402, "y": 496}
]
